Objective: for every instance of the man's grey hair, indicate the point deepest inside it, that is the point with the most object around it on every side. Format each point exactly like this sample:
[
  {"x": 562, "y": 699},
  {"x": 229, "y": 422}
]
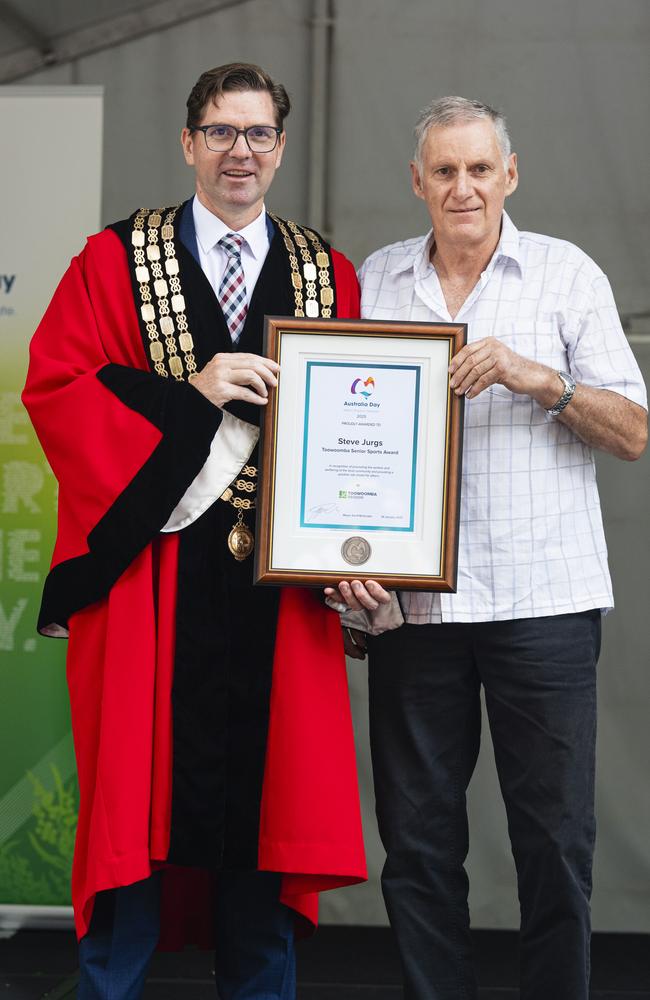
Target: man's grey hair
[{"x": 454, "y": 111}]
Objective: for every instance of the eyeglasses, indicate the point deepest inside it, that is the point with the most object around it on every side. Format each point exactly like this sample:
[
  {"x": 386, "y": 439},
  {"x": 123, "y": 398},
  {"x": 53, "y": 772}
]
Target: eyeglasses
[{"x": 222, "y": 138}]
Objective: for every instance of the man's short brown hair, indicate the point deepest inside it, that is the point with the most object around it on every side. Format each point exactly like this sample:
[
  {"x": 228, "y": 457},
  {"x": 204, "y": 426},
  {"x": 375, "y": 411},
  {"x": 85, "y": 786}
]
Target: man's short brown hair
[{"x": 232, "y": 77}]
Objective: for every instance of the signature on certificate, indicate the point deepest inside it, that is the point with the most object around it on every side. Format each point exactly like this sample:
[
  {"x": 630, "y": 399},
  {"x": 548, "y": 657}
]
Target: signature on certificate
[{"x": 324, "y": 508}]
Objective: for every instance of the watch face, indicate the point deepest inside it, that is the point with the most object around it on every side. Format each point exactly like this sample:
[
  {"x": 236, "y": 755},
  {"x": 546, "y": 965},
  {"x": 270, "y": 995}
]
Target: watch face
[{"x": 569, "y": 388}]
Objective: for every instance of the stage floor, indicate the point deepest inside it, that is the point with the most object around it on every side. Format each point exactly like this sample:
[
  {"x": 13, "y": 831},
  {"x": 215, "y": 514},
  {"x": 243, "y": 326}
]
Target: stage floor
[{"x": 339, "y": 963}]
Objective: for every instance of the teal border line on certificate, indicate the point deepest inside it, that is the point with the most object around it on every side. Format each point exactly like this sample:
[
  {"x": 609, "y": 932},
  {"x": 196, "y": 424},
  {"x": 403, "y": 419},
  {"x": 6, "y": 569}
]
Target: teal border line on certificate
[{"x": 370, "y": 367}]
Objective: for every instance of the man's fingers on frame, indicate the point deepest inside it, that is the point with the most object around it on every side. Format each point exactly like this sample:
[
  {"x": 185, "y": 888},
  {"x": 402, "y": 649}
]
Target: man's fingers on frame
[
  {"x": 252, "y": 361},
  {"x": 363, "y": 596},
  {"x": 348, "y": 596},
  {"x": 333, "y": 592},
  {"x": 257, "y": 373},
  {"x": 485, "y": 373},
  {"x": 267, "y": 362},
  {"x": 466, "y": 353},
  {"x": 378, "y": 592},
  {"x": 259, "y": 365},
  {"x": 469, "y": 365},
  {"x": 257, "y": 384},
  {"x": 336, "y": 597},
  {"x": 248, "y": 396},
  {"x": 482, "y": 383},
  {"x": 477, "y": 357},
  {"x": 244, "y": 376},
  {"x": 471, "y": 372}
]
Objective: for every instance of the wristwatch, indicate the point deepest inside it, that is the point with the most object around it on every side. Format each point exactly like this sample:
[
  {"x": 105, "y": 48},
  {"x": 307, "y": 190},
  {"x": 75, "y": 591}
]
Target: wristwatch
[{"x": 567, "y": 395}]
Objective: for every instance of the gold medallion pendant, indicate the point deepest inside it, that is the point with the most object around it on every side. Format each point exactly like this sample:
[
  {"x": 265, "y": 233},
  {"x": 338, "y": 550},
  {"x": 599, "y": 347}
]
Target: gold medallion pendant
[{"x": 241, "y": 540}]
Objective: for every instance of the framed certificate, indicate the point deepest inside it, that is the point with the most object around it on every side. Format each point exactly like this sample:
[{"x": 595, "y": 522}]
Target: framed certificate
[{"x": 360, "y": 456}]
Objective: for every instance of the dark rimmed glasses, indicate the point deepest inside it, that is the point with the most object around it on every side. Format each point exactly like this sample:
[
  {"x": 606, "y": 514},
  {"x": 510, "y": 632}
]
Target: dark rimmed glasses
[{"x": 222, "y": 138}]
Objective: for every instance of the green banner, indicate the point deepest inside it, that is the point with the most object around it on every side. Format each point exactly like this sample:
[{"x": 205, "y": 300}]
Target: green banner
[{"x": 51, "y": 197}]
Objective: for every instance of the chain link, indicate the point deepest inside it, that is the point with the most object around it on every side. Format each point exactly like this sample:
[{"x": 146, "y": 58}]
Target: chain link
[{"x": 149, "y": 265}]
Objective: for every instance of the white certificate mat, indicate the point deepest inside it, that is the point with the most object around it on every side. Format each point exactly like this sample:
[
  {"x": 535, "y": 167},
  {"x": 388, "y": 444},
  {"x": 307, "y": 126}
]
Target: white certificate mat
[{"x": 359, "y": 455}]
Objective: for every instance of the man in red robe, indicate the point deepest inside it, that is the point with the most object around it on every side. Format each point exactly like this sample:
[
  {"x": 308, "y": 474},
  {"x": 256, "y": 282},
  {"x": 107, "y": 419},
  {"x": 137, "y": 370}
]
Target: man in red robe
[{"x": 211, "y": 718}]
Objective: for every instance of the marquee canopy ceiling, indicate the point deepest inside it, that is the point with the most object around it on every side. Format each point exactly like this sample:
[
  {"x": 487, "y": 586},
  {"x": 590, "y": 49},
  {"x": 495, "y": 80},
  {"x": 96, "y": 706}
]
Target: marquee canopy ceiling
[{"x": 34, "y": 35}]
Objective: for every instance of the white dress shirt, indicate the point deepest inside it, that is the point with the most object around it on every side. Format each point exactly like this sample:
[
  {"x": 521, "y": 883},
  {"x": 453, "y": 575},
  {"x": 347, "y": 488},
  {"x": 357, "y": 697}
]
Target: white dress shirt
[
  {"x": 210, "y": 229},
  {"x": 531, "y": 540},
  {"x": 235, "y": 439}
]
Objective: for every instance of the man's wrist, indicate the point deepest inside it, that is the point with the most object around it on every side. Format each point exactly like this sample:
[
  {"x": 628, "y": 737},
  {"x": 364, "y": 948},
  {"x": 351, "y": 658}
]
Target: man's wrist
[{"x": 548, "y": 387}]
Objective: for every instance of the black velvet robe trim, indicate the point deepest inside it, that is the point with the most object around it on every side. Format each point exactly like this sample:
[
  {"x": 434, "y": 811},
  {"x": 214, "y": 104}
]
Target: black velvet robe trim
[
  {"x": 188, "y": 423},
  {"x": 225, "y": 636}
]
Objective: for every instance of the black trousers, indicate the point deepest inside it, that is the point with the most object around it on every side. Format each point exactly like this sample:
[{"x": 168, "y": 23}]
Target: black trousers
[{"x": 539, "y": 677}]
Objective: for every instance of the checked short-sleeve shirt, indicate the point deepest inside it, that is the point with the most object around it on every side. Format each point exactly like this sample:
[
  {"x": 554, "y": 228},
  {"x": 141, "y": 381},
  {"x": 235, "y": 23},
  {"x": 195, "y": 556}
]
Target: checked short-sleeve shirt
[{"x": 531, "y": 539}]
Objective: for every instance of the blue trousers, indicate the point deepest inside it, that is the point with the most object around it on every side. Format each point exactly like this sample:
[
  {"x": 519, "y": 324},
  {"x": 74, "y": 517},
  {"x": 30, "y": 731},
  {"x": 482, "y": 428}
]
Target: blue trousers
[
  {"x": 539, "y": 678},
  {"x": 255, "y": 957}
]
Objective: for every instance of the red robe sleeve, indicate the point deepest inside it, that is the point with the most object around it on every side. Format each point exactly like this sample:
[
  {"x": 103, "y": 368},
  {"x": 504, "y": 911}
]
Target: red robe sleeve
[{"x": 123, "y": 442}]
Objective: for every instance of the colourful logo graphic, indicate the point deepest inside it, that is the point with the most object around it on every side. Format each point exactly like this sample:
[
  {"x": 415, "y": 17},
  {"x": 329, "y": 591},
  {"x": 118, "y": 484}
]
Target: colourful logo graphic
[{"x": 360, "y": 388}]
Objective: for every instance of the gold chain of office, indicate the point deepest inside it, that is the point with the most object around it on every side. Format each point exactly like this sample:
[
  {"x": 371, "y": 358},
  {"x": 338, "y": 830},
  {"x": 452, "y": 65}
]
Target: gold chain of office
[
  {"x": 162, "y": 303},
  {"x": 169, "y": 318},
  {"x": 297, "y": 242}
]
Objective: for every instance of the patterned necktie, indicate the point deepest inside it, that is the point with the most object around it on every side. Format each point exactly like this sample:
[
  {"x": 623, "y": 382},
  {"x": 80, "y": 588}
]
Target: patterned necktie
[{"x": 232, "y": 291}]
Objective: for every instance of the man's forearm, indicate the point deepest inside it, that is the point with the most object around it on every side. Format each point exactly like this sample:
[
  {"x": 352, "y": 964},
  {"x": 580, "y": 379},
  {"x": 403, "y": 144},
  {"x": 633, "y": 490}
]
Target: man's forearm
[
  {"x": 601, "y": 418},
  {"x": 607, "y": 420}
]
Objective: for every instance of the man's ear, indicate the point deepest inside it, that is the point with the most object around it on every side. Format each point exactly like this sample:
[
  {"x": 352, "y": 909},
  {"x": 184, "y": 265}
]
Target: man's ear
[
  {"x": 416, "y": 180},
  {"x": 512, "y": 176},
  {"x": 187, "y": 142},
  {"x": 279, "y": 149}
]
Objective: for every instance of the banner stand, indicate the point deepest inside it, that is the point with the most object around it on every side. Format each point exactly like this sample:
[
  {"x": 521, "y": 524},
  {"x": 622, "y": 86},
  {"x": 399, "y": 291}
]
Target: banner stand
[{"x": 50, "y": 179}]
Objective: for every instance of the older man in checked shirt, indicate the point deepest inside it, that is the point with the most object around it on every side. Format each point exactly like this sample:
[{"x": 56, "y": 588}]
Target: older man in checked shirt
[{"x": 548, "y": 375}]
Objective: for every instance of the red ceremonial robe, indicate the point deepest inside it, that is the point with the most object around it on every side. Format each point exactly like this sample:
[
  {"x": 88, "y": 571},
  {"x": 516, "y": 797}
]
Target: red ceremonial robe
[{"x": 124, "y": 444}]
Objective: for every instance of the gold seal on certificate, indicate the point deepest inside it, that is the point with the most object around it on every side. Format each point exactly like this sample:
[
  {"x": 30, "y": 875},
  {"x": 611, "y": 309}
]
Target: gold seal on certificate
[
  {"x": 360, "y": 457},
  {"x": 356, "y": 550}
]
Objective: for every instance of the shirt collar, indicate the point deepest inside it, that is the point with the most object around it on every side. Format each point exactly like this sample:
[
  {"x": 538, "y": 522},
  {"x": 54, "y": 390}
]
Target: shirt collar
[
  {"x": 210, "y": 228},
  {"x": 508, "y": 245},
  {"x": 416, "y": 255},
  {"x": 411, "y": 255}
]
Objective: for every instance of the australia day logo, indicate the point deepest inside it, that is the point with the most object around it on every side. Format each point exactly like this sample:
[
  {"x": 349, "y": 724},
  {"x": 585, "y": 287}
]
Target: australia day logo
[{"x": 361, "y": 388}]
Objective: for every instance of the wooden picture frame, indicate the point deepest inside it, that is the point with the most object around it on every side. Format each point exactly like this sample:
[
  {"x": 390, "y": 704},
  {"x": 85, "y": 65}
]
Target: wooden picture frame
[{"x": 360, "y": 455}]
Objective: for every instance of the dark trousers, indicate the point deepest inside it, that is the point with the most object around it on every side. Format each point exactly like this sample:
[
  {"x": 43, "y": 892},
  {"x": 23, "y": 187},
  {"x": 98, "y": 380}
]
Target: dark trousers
[
  {"x": 539, "y": 678},
  {"x": 255, "y": 957}
]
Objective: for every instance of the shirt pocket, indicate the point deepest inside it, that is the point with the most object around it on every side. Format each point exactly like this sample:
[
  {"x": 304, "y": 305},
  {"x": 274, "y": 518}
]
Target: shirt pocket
[{"x": 537, "y": 340}]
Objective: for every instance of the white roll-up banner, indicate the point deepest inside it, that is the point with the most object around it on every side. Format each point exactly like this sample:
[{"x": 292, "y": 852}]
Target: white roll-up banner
[{"x": 50, "y": 184}]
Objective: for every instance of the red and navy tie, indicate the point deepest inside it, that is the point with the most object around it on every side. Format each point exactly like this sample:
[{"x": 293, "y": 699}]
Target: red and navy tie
[{"x": 232, "y": 291}]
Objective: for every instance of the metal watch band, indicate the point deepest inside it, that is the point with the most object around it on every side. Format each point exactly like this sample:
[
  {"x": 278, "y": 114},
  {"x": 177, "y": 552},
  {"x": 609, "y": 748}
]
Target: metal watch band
[{"x": 567, "y": 395}]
